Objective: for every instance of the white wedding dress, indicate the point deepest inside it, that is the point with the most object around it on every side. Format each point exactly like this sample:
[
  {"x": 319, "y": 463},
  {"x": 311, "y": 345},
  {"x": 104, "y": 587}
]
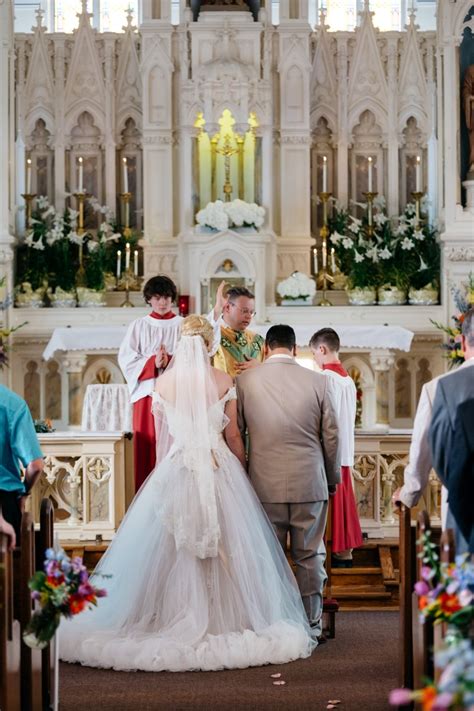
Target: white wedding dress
[{"x": 198, "y": 580}]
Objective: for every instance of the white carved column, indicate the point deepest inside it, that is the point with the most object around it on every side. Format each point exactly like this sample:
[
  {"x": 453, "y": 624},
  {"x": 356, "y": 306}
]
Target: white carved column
[
  {"x": 59, "y": 138},
  {"x": 267, "y": 174},
  {"x": 186, "y": 208},
  {"x": 432, "y": 136},
  {"x": 381, "y": 362},
  {"x": 73, "y": 365},
  {"x": 342, "y": 193},
  {"x": 110, "y": 146},
  {"x": 20, "y": 184},
  {"x": 393, "y": 205}
]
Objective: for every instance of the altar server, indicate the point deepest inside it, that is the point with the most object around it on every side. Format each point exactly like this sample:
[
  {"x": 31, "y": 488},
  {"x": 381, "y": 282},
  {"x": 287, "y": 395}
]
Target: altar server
[
  {"x": 144, "y": 354},
  {"x": 346, "y": 531}
]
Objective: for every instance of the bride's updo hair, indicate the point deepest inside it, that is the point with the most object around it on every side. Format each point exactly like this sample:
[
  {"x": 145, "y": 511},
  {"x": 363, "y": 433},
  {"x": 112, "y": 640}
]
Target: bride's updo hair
[{"x": 195, "y": 325}]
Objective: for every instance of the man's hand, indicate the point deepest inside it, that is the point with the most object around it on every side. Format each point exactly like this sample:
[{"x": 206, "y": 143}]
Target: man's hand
[
  {"x": 332, "y": 489},
  {"x": 396, "y": 501},
  {"x": 221, "y": 299},
  {"x": 9, "y": 531},
  {"x": 161, "y": 360},
  {"x": 249, "y": 363}
]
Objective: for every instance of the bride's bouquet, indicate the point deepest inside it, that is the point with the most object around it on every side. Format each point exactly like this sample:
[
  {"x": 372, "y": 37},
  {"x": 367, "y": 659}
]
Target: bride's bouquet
[{"x": 63, "y": 589}]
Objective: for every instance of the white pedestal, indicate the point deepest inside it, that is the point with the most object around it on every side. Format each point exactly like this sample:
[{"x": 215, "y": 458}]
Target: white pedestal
[{"x": 469, "y": 185}]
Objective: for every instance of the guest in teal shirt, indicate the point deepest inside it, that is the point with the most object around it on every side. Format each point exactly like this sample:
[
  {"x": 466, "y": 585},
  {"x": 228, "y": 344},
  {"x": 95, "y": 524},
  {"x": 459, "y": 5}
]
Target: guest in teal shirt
[{"x": 18, "y": 445}]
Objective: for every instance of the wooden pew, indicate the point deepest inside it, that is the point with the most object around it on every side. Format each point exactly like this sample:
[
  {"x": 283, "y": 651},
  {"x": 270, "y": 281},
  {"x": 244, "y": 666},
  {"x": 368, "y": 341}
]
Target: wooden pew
[
  {"x": 330, "y": 604},
  {"x": 45, "y": 540},
  {"x": 407, "y": 580},
  {"x": 10, "y": 640},
  {"x": 423, "y": 665},
  {"x": 31, "y": 659}
]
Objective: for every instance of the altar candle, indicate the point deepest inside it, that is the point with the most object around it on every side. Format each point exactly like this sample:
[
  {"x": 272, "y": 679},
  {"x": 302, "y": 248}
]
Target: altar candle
[
  {"x": 127, "y": 256},
  {"x": 370, "y": 175},
  {"x": 325, "y": 254},
  {"x": 119, "y": 263},
  {"x": 315, "y": 260},
  {"x": 80, "y": 187},
  {"x": 28, "y": 176},
  {"x": 418, "y": 174},
  {"x": 135, "y": 262},
  {"x": 125, "y": 176},
  {"x": 333, "y": 260},
  {"x": 325, "y": 174}
]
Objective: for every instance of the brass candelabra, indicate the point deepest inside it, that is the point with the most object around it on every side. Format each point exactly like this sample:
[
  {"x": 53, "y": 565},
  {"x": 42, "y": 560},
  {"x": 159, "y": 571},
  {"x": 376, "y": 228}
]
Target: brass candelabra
[
  {"x": 81, "y": 198},
  {"x": 370, "y": 197},
  {"x": 28, "y": 198},
  {"x": 125, "y": 199},
  {"x": 417, "y": 197},
  {"x": 324, "y": 278},
  {"x": 129, "y": 280}
]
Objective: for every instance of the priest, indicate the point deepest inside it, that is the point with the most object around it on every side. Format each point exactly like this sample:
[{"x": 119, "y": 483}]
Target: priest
[
  {"x": 143, "y": 356},
  {"x": 346, "y": 531},
  {"x": 240, "y": 348}
]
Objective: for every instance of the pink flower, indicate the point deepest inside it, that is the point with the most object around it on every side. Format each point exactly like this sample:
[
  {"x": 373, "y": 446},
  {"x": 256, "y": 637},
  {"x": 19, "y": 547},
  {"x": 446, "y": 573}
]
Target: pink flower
[
  {"x": 422, "y": 588},
  {"x": 426, "y": 572},
  {"x": 465, "y": 597},
  {"x": 400, "y": 697}
]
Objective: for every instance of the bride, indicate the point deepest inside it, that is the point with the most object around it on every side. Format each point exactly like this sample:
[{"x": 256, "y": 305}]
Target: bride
[{"x": 198, "y": 579}]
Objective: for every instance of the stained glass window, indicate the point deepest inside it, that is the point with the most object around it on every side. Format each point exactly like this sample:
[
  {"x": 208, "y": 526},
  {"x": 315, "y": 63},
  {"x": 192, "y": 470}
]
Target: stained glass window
[
  {"x": 341, "y": 14},
  {"x": 113, "y": 14},
  {"x": 387, "y": 14},
  {"x": 66, "y": 12}
]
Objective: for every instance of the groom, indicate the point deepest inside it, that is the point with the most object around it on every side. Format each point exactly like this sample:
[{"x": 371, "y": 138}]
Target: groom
[{"x": 293, "y": 456}]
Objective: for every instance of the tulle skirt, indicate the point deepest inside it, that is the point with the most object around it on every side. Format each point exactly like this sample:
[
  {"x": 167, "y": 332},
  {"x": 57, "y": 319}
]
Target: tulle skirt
[{"x": 168, "y": 609}]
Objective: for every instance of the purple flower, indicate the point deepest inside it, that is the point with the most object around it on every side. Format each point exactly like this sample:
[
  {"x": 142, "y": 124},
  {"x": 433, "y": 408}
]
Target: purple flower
[
  {"x": 35, "y": 595},
  {"x": 442, "y": 702},
  {"x": 422, "y": 588},
  {"x": 400, "y": 697},
  {"x": 427, "y": 573}
]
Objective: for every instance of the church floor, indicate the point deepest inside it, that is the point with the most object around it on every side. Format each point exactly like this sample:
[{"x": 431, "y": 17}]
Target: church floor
[{"x": 359, "y": 667}]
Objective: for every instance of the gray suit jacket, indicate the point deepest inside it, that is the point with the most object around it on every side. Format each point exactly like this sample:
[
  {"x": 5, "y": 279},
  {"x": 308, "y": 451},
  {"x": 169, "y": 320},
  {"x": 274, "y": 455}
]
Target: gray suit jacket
[{"x": 291, "y": 422}]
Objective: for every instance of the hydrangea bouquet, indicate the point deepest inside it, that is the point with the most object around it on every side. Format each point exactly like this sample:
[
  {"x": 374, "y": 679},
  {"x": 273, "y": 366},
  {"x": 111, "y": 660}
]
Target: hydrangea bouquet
[
  {"x": 63, "y": 589},
  {"x": 220, "y": 215},
  {"x": 297, "y": 287}
]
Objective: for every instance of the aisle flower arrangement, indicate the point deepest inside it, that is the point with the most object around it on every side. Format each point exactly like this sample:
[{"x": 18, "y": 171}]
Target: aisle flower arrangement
[
  {"x": 220, "y": 215},
  {"x": 445, "y": 595},
  {"x": 464, "y": 300},
  {"x": 63, "y": 589}
]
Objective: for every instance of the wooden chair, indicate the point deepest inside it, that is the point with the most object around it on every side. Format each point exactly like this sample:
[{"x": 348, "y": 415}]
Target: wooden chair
[
  {"x": 45, "y": 540},
  {"x": 10, "y": 640},
  {"x": 422, "y": 632},
  {"x": 330, "y": 605},
  {"x": 407, "y": 581},
  {"x": 31, "y": 659}
]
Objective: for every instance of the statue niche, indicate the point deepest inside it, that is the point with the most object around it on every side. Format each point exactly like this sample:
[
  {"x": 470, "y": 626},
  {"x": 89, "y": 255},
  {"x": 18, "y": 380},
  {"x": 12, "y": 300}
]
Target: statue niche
[{"x": 468, "y": 100}]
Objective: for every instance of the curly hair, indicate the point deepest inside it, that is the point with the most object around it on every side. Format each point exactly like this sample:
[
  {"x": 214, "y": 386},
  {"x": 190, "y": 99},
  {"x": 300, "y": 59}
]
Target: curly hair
[
  {"x": 195, "y": 325},
  {"x": 160, "y": 285}
]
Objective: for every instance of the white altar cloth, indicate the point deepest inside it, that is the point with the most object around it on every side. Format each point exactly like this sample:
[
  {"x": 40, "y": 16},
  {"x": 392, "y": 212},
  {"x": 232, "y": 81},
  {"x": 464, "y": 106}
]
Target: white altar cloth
[
  {"x": 109, "y": 338},
  {"x": 107, "y": 408}
]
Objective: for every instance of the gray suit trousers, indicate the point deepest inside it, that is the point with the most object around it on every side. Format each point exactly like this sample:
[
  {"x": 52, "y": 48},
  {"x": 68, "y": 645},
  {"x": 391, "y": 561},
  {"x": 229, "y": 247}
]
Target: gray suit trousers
[{"x": 306, "y": 524}]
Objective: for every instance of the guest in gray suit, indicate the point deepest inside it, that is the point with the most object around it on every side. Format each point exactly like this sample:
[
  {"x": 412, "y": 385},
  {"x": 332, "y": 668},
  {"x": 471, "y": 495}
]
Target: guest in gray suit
[
  {"x": 293, "y": 456},
  {"x": 452, "y": 440}
]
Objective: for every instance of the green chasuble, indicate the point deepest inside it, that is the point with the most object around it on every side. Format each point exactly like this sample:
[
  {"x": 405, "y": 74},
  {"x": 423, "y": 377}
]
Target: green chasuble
[{"x": 237, "y": 347}]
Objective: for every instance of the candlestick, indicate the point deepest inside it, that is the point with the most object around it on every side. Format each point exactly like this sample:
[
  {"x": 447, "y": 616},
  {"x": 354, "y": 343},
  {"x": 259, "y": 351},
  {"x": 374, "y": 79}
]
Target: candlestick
[
  {"x": 119, "y": 263},
  {"x": 418, "y": 174},
  {"x": 81, "y": 198},
  {"x": 315, "y": 261},
  {"x": 324, "y": 279},
  {"x": 325, "y": 174},
  {"x": 333, "y": 260},
  {"x": 28, "y": 198},
  {"x": 135, "y": 262},
  {"x": 80, "y": 181},
  {"x": 125, "y": 176},
  {"x": 370, "y": 196},
  {"x": 28, "y": 177},
  {"x": 125, "y": 212},
  {"x": 127, "y": 256},
  {"x": 370, "y": 174},
  {"x": 417, "y": 197}
]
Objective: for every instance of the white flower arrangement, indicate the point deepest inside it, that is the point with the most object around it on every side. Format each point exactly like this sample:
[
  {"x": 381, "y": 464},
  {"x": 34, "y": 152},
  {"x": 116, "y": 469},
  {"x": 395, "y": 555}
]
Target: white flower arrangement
[
  {"x": 220, "y": 215},
  {"x": 297, "y": 286}
]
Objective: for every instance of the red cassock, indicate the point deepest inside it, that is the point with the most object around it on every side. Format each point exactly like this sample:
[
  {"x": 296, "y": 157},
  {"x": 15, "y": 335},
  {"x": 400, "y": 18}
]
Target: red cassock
[
  {"x": 144, "y": 435},
  {"x": 346, "y": 530}
]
